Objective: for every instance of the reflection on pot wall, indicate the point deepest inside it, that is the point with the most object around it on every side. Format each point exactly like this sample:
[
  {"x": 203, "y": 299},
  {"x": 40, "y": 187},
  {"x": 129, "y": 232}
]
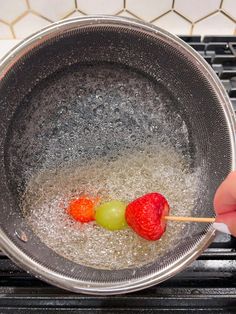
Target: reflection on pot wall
[{"x": 20, "y": 18}]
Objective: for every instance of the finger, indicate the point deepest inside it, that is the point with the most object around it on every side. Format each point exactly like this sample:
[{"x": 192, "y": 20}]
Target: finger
[
  {"x": 225, "y": 197},
  {"x": 229, "y": 220}
]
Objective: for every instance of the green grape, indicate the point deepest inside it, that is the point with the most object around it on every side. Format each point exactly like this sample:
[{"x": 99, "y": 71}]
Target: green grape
[{"x": 111, "y": 215}]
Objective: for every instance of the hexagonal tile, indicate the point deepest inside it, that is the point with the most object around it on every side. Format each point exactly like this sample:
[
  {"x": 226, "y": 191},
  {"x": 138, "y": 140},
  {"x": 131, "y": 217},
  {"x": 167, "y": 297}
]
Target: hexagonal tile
[
  {"x": 174, "y": 23},
  {"x": 75, "y": 14},
  {"x": 11, "y": 9},
  {"x": 100, "y": 6},
  {"x": 148, "y": 9},
  {"x": 6, "y": 45},
  {"x": 5, "y": 32},
  {"x": 229, "y": 6},
  {"x": 53, "y": 9},
  {"x": 195, "y": 9},
  {"x": 127, "y": 14},
  {"x": 29, "y": 24},
  {"x": 216, "y": 24}
]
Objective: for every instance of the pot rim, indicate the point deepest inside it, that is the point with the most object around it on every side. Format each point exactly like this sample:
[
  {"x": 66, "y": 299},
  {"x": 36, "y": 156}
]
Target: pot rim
[{"x": 40, "y": 271}]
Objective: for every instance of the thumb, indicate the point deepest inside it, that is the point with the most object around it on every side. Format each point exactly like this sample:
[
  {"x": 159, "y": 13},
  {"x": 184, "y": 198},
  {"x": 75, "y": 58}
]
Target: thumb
[
  {"x": 229, "y": 219},
  {"x": 225, "y": 197}
]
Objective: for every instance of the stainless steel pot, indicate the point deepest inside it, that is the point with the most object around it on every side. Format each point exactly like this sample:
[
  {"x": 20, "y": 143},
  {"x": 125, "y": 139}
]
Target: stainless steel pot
[{"x": 198, "y": 97}]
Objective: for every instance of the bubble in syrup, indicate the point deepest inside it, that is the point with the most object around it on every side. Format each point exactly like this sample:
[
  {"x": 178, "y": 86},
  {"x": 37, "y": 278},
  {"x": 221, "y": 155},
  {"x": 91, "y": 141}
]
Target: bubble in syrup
[
  {"x": 99, "y": 110},
  {"x": 62, "y": 110},
  {"x": 98, "y": 92},
  {"x": 133, "y": 137},
  {"x": 100, "y": 98},
  {"x": 86, "y": 131}
]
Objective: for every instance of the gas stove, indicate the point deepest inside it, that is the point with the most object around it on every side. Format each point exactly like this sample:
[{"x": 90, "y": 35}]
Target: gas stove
[{"x": 208, "y": 285}]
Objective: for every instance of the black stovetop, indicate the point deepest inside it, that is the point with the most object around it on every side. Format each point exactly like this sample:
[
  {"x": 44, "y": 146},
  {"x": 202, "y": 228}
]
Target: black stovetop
[{"x": 208, "y": 285}]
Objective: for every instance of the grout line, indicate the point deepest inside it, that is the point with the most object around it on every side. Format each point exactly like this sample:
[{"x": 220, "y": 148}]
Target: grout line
[
  {"x": 68, "y": 14},
  {"x": 27, "y": 3},
  {"x": 134, "y": 15},
  {"x": 227, "y": 15},
  {"x": 124, "y": 4},
  {"x": 191, "y": 29},
  {"x": 19, "y": 17},
  {"x": 221, "y": 4},
  {"x": 121, "y": 11},
  {"x": 173, "y": 5},
  {"x": 76, "y": 6},
  {"x": 2, "y": 21},
  {"x": 208, "y": 15},
  {"x": 40, "y": 15},
  {"x": 157, "y": 18},
  {"x": 185, "y": 18},
  {"x": 82, "y": 12},
  {"x": 12, "y": 30}
]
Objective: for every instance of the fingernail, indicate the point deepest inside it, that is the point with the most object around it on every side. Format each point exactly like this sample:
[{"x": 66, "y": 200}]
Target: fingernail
[{"x": 220, "y": 226}]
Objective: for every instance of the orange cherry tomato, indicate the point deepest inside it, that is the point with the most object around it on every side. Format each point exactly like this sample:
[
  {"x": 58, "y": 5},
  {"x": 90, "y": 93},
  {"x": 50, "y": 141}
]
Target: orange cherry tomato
[{"x": 83, "y": 208}]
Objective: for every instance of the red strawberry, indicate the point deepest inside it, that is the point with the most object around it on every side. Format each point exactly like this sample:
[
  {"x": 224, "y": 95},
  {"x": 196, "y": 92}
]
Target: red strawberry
[{"x": 145, "y": 215}]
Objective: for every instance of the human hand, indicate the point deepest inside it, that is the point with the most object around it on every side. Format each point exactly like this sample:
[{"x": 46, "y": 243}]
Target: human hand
[{"x": 225, "y": 205}]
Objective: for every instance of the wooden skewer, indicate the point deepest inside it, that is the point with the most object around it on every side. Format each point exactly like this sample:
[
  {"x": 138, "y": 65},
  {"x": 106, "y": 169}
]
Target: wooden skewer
[{"x": 189, "y": 219}]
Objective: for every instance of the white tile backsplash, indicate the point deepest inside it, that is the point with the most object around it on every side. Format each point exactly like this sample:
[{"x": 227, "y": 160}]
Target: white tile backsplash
[
  {"x": 53, "y": 10},
  {"x": 75, "y": 14},
  {"x": 229, "y": 7},
  {"x": 10, "y": 10},
  {"x": 100, "y": 6},
  {"x": 20, "y": 18},
  {"x": 174, "y": 23},
  {"x": 149, "y": 10},
  {"x": 127, "y": 14},
  {"x": 30, "y": 23},
  {"x": 208, "y": 25},
  {"x": 6, "y": 45},
  {"x": 195, "y": 10},
  {"x": 5, "y": 31}
]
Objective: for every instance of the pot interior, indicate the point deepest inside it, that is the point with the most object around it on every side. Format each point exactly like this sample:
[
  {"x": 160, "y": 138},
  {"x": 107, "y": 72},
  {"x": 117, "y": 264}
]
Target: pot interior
[{"x": 112, "y": 98}]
